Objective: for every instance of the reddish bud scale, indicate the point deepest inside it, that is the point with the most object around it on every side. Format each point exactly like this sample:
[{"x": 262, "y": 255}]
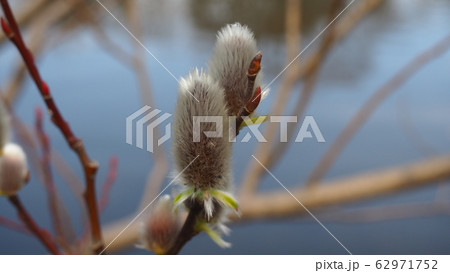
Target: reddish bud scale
[
  {"x": 255, "y": 65},
  {"x": 45, "y": 89},
  {"x": 5, "y": 27},
  {"x": 254, "y": 101}
]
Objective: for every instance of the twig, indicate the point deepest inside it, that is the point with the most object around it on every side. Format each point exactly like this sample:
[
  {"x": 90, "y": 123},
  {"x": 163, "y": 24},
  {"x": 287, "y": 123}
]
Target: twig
[
  {"x": 89, "y": 166},
  {"x": 42, "y": 234},
  {"x": 272, "y": 153},
  {"x": 28, "y": 13},
  {"x": 331, "y": 193},
  {"x": 293, "y": 43},
  {"x": 84, "y": 13},
  {"x": 19, "y": 227},
  {"x": 46, "y": 168},
  {"x": 54, "y": 202},
  {"x": 82, "y": 243},
  {"x": 346, "y": 23},
  {"x": 158, "y": 173},
  {"x": 41, "y": 23},
  {"x": 188, "y": 230},
  {"x": 310, "y": 81},
  {"x": 387, "y": 212},
  {"x": 411, "y": 133},
  {"x": 343, "y": 27},
  {"x": 372, "y": 104},
  {"x": 347, "y": 190},
  {"x": 109, "y": 182}
]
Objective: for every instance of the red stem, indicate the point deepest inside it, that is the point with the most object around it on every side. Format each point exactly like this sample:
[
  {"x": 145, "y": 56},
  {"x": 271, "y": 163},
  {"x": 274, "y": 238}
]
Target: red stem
[
  {"x": 42, "y": 234},
  {"x": 89, "y": 166},
  {"x": 52, "y": 193},
  {"x": 19, "y": 227},
  {"x": 109, "y": 182}
]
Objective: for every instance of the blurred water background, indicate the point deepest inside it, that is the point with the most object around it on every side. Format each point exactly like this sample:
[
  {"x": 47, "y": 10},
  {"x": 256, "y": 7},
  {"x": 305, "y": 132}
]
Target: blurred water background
[{"x": 96, "y": 93}]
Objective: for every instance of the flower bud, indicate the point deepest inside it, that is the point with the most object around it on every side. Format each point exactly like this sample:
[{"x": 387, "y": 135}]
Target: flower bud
[
  {"x": 159, "y": 231},
  {"x": 13, "y": 169},
  {"x": 203, "y": 163},
  {"x": 231, "y": 58}
]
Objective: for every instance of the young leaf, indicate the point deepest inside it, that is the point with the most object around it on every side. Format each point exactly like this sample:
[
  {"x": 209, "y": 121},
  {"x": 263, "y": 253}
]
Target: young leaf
[
  {"x": 182, "y": 197},
  {"x": 215, "y": 236},
  {"x": 225, "y": 198}
]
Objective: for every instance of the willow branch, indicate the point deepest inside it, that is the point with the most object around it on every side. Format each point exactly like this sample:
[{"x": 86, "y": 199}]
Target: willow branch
[
  {"x": 308, "y": 88},
  {"x": 387, "y": 212},
  {"x": 158, "y": 173},
  {"x": 13, "y": 225},
  {"x": 52, "y": 195},
  {"x": 109, "y": 182},
  {"x": 356, "y": 188},
  {"x": 412, "y": 134},
  {"x": 41, "y": 234},
  {"x": 347, "y": 22},
  {"x": 372, "y": 104},
  {"x": 28, "y": 14},
  {"x": 90, "y": 167},
  {"x": 347, "y": 190},
  {"x": 293, "y": 27},
  {"x": 188, "y": 231}
]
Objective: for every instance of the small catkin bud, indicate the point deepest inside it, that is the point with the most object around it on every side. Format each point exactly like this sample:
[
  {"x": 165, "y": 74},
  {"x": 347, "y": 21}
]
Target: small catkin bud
[
  {"x": 159, "y": 231},
  {"x": 232, "y": 55},
  {"x": 13, "y": 169},
  {"x": 211, "y": 167}
]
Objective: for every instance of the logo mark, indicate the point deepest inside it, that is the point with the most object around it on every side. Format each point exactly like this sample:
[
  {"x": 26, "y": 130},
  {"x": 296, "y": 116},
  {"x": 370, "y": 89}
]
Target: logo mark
[{"x": 144, "y": 116}]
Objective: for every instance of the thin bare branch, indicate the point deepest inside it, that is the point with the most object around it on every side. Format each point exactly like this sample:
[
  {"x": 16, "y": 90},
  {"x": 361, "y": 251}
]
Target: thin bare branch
[
  {"x": 293, "y": 27},
  {"x": 43, "y": 235},
  {"x": 372, "y": 104},
  {"x": 90, "y": 167},
  {"x": 331, "y": 193},
  {"x": 346, "y": 190}
]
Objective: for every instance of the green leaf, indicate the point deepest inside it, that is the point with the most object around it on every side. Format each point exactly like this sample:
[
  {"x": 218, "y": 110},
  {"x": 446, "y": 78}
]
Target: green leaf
[
  {"x": 225, "y": 198},
  {"x": 215, "y": 236},
  {"x": 182, "y": 197}
]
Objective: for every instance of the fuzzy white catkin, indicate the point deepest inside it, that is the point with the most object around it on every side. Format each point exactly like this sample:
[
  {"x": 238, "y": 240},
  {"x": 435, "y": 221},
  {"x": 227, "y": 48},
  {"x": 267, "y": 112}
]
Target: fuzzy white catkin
[
  {"x": 233, "y": 52},
  {"x": 4, "y": 125},
  {"x": 13, "y": 169},
  {"x": 211, "y": 169}
]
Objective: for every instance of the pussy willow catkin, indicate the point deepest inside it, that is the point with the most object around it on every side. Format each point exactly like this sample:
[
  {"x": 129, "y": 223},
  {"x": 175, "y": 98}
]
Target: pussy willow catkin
[
  {"x": 211, "y": 167},
  {"x": 232, "y": 54}
]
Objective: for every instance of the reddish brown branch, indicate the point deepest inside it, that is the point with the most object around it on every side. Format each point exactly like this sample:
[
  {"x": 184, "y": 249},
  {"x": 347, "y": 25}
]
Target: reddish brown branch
[
  {"x": 8, "y": 223},
  {"x": 89, "y": 166},
  {"x": 42, "y": 234},
  {"x": 55, "y": 206},
  {"x": 188, "y": 230},
  {"x": 109, "y": 182}
]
